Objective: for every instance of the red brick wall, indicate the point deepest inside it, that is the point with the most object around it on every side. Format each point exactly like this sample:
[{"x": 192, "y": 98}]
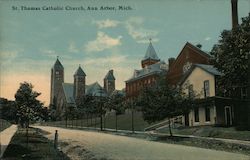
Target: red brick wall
[
  {"x": 190, "y": 54},
  {"x": 133, "y": 88}
]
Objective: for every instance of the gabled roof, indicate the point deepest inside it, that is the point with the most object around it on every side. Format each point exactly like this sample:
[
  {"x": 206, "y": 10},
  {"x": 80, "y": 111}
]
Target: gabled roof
[
  {"x": 68, "y": 89},
  {"x": 79, "y": 72},
  {"x": 92, "y": 90},
  {"x": 188, "y": 54},
  {"x": 110, "y": 75},
  {"x": 58, "y": 65},
  {"x": 156, "y": 68},
  {"x": 150, "y": 53},
  {"x": 95, "y": 89},
  {"x": 210, "y": 69},
  {"x": 207, "y": 68}
]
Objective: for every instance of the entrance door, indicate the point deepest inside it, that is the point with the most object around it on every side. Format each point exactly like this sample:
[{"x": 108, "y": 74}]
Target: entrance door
[{"x": 228, "y": 116}]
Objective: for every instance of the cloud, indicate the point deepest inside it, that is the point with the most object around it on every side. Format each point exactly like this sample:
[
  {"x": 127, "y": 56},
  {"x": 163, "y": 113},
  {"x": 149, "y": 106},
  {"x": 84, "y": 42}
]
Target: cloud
[
  {"x": 115, "y": 59},
  {"x": 48, "y": 52},
  {"x": 8, "y": 54},
  {"x": 102, "y": 42},
  {"x": 207, "y": 38},
  {"x": 106, "y": 23},
  {"x": 134, "y": 27},
  {"x": 138, "y": 33},
  {"x": 72, "y": 48}
]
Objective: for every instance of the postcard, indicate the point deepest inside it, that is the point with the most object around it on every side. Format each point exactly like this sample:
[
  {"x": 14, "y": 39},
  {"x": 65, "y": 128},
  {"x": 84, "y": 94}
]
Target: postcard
[{"x": 125, "y": 79}]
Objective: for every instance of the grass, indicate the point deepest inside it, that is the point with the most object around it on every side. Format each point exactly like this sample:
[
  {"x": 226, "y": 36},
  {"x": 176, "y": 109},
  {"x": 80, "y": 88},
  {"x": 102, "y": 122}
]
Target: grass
[
  {"x": 37, "y": 148},
  {"x": 4, "y": 124},
  {"x": 124, "y": 122},
  {"x": 211, "y": 131},
  {"x": 205, "y": 143}
]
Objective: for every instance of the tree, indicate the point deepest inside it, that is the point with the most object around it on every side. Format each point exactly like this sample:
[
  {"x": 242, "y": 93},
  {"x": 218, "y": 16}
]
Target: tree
[
  {"x": 86, "y": 106},
  {"x": 8, "y": 110},
  {"x": 115, "y": 103},
  {"x": 131, "y": 105},
  {"x": 101, "y": 110},
  {"x": 230, "y": 56},
  {"x": 28, "y": 107},
  {"x": 163, "y": 101}
]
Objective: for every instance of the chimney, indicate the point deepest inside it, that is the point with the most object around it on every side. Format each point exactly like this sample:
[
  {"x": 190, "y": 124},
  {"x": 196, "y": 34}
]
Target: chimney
[
  {"x": 170, "y": 62},
  {"x": 234, "y": 13}
]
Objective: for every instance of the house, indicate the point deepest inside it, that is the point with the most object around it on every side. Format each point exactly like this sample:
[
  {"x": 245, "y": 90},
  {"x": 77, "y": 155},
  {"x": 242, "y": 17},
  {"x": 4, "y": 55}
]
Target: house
[
  {"x": 201, "y": 82},
  {"x": 189, "y": 55},
  {"x": 152, "y": 69}
]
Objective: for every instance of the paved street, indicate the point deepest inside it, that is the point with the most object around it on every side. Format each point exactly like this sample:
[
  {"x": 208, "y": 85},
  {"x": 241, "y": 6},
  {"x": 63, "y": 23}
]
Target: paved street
[
  {"x": 87, "y": 145},
  {"x": 5, "y": 137}
]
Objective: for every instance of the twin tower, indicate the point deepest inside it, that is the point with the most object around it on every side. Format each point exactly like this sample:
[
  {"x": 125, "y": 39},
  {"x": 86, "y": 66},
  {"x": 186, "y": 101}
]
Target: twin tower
[{"x": 79, "y": 89}]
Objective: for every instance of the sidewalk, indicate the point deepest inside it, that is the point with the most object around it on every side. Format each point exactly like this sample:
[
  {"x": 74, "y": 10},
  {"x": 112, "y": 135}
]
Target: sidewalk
[
  {"x": 5, "y": 138},
  {"x": 233, "y": 141}
]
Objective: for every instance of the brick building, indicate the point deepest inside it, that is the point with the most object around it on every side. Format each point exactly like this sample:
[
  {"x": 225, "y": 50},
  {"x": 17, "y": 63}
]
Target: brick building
[
  {"x": 152, "y": 68},
  {"x": 189, "y": 55}
]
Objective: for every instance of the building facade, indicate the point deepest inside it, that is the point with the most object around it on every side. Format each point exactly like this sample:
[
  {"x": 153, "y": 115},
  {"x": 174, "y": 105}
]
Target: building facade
[
  {"x": 57, "y": 78},
  {"x": 109, "y": 82},
  {"x": 152, "y": 69},
  {"x": 189, "y": 55},
  {"x": 209, "y": 109},
  {"x": 64, "y": 95}
]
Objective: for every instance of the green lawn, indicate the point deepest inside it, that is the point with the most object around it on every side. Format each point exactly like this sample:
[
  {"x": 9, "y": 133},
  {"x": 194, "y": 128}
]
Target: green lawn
[
  {"x": 4, "y": 124},
  {"x": 211, "y": 131},
  {"x": 124, "y": 122},
  {"x": 37, "y": 148}
]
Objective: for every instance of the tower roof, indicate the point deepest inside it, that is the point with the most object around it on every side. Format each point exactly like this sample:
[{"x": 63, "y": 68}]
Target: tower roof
[
  {"x": 150, "y": 53},
  {"x": 79, "y": 72},
  {"x": 58, "y": 65},
  {"x": 110, "y": 75}
]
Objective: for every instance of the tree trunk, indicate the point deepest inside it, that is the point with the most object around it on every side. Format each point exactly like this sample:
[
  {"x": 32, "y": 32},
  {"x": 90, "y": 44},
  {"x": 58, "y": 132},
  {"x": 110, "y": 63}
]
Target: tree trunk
[
  {"x": 169, "y": 127},
  {"x": 101, "y": 122},
  {"x": 116, "y": 121},
  {"x": 104, "y": 122},
  {"x": 81, "y": 122},
  {"x": 87, "y": 120},
  {"x": 66, "y": 121},
  {"x": 133, "y": 130},
  {"x": 95, "y": 121},
  {"x": 91, "y": 120}
]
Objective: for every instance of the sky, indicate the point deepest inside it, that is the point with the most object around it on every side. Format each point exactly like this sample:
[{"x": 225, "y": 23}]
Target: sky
[{"x": 99, "y": 40}]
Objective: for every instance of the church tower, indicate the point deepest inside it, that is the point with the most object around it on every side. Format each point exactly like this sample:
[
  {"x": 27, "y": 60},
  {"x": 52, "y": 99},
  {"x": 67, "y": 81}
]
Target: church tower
[
  {"x": 79, "y": 83},
  {"x": 57, "y": 78},
  {"x": 109, "y": 82},
  {"x": 150, "y": 56}
]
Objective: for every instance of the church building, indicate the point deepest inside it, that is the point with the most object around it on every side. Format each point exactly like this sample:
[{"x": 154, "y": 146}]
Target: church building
[{"x": 64, "y": 94}]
